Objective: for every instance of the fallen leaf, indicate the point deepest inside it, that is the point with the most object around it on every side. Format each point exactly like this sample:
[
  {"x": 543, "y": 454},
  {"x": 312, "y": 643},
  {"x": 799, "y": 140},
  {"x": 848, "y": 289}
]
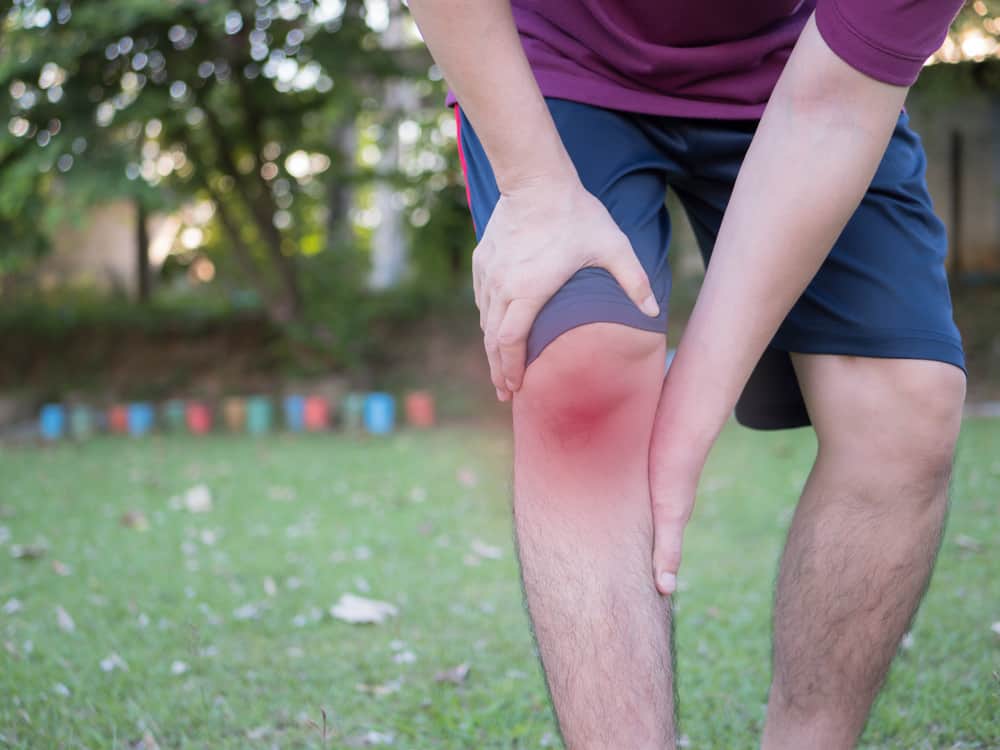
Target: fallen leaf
[
  {"x": 358, "y": 609},
  {"x": 467, "y": 477},
  {"x": 386, "y": 688},
  {"x": 968, "y": 543},
  {"x": 27, "y": 551},
  {"x": 370, "y": 738},
  {"x": 66, "y": 623},
  {"x": 135, "y": 519},
  {"x": 198, "y": 499},
  {"x": 281, "y": 494},
  {"x": 146, "y": 742},
  {"x": 247, "y": 612},
  {"x": 483, "y": 549},
  {"x": 60, "y": 568},
  {"x": 456, "y": 675},
  {"x": 404, "y": 657},
  {"x": 112, "y": 662}
]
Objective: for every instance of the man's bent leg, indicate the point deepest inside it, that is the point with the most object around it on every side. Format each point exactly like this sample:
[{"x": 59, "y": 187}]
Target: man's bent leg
[
  {"x": 582, "y": 425},
  {"x": 863, "y": 539}
]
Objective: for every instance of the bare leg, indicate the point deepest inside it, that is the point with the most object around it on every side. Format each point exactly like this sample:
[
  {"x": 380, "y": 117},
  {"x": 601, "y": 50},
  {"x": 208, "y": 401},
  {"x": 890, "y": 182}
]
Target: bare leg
[
  {"x": 582, "y": 425},
  {"x": 862, "y": 542}
]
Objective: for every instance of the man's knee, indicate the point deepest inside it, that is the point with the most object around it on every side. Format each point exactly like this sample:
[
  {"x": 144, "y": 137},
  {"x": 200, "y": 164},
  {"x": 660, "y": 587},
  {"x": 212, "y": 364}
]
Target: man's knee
[
  {"x": 590, "y": 377},
  {"x": 901, "y": 424}
]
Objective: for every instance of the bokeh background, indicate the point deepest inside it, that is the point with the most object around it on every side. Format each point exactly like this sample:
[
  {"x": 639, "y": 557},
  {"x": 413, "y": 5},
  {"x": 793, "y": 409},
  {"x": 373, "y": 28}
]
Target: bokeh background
[{"x": 250, "y": 206}]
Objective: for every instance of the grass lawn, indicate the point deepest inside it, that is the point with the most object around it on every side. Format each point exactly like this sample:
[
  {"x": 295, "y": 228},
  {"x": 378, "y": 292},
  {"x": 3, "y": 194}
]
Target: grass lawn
[{"x": 214, "y": 628}]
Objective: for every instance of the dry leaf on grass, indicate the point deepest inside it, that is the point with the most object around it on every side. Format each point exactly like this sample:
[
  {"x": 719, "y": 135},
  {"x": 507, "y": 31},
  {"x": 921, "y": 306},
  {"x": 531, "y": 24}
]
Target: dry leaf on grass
[
  {"x": 135, "y": 519},
  {"x": 488, "y": 551},
  {"x": 386, "y": 688},
  {"x": 27, "y": 551},
  {"x": 197, "y": 499},
  {"x": 66, "y": 623},
  {"x": 456, "y": 675},
  {"x": 369, "y": 739},
  {"x": 112, "y": 662},
  {"x": 61, "y": 568},
  {"x": 968, "y": 543},
  {"x": 467, "y": 477},
  {"x": 359, "y": 609}
]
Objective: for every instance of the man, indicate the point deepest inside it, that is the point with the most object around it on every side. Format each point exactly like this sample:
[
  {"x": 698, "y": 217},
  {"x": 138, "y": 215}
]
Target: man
[{"x": 825, "y": 302}]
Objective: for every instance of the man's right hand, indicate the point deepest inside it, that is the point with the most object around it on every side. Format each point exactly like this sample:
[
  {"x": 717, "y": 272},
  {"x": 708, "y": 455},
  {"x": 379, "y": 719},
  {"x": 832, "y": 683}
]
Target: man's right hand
[{"x": 542, "y": 231}]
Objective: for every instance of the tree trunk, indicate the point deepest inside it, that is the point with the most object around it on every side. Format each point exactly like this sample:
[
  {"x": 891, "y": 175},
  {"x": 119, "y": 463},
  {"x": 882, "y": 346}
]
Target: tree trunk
[{"x": 142, "y": 251}]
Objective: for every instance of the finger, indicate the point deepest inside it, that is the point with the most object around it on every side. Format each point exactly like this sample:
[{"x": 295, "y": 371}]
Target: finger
[
  {"x": 494, "y": 316},
  {"x": 622, "y": 263},
  {"x": 512, "y": 340},
  {"x": 669, "y": 520},
  {"x": 479, "y": 258},
  {"x": 667, "y": 556}
]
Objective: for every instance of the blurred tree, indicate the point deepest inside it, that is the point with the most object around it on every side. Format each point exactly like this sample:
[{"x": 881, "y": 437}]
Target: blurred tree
[{"x": 245, "y": 103}]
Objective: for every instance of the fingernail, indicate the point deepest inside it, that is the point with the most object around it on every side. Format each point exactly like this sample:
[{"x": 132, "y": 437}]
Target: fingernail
[
  {"x": 510, "y": 386},
  {"x": 501, "y": 395},
  {"x": 668, "y": 583},
  {"x": 650, "y": 307}
]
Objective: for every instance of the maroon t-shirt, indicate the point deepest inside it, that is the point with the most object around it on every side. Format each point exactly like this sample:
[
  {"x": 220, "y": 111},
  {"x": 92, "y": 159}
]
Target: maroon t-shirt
[{"x": 714, "y": 58}]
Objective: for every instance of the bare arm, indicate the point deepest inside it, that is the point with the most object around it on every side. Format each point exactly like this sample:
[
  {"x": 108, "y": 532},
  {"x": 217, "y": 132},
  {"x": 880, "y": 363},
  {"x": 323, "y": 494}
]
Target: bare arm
[
  {"x": 546, "y": 226},
  {"x": 819, "y": 142}
]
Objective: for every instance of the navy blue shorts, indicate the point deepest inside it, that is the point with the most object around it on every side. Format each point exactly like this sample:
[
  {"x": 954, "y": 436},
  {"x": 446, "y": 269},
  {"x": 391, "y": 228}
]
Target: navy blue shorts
[{"x": 882, "y": 291}]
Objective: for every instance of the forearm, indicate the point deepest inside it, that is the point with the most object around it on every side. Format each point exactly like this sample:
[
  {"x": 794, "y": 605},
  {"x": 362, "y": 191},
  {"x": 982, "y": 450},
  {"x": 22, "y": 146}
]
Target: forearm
[
  {"x": 478, "y": 48},
  {"x": 815, "y": 151}
]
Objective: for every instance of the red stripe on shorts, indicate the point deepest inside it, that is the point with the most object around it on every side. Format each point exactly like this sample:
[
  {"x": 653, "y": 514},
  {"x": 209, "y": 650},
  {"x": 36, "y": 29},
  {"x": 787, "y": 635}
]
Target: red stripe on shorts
[{"x": 461, "y": 156}]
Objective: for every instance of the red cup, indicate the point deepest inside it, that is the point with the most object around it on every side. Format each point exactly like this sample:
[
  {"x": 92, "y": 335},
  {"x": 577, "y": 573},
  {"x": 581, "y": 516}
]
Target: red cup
[
  {"x": 316, "y": 416},
  {"x": 419, "y": 407},
  {"x": 198, "y": 417},
  {"x": 118, "y": 419}
]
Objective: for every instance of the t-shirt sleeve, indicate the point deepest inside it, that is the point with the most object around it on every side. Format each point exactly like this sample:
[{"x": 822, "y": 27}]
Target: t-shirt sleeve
[{"x": 889, "y": 40}]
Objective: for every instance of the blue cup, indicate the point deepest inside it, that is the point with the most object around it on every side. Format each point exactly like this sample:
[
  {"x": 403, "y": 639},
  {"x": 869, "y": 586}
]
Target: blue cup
[
  {"x": 295, "y": 413},
  {"x": 140, "y": 418},
  {"x": 380, "y": 413},
  {"x": 52, "y": 421}
]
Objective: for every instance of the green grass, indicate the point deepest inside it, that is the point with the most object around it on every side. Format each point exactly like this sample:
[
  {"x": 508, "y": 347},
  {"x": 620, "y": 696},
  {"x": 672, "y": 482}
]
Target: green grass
[{"x": 168, "y": 594}]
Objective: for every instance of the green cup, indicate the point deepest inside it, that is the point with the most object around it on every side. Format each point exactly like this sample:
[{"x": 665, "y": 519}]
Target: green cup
[
  {"x": 173, "y": 415},
  {"x": 259, "y": 415},
  {"x": 352, "y": 411},
  {"x": 81, "y": 422}
]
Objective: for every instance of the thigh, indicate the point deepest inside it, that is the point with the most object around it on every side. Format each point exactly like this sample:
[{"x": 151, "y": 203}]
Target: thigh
[
  {"x": 616, "y": 163},
  {"x": 881, "y": 293}
]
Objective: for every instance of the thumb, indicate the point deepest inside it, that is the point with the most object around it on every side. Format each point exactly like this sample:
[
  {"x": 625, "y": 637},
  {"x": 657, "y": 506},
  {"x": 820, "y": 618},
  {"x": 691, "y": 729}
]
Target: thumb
[
  {"x": 625, "y": 267},
  {"x": 670, "y": 517}
]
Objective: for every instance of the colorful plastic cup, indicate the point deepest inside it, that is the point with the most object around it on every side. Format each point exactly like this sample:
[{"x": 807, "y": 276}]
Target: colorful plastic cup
[
  {"x": 141, "y": 418},
  {"x": 419, "y": 408},
  {"x": 52, "y": 421},
  {"x": 81, "y": 422},
  {"x": 259, "y": 415},
  {"x": 294, "y": 408},
  {"x": 173, "y": 415},
  {"x": 380, "y": 413},
  {"x": 234, "y": 413},
  {"x": 118, "y": 419},
  {"x": 352, "y": 411},
  {"x": 198, "y": 417},
  {"x": 316, "y": 414}
]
